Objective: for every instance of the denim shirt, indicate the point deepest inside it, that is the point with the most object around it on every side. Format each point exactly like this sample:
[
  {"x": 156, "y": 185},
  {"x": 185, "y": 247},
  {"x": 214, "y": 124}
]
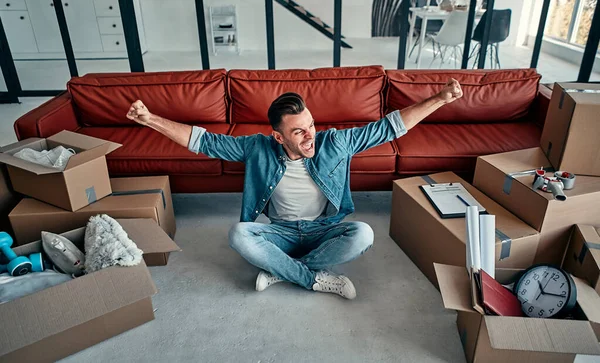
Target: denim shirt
[{"x": 329, "y": 168}]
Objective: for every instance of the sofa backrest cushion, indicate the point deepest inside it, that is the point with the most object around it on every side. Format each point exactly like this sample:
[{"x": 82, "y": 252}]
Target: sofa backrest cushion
[
  {"x": 488, "y": 95},
  {"x": 333, "y": 95},
  {"x": 190, "y": 97}
]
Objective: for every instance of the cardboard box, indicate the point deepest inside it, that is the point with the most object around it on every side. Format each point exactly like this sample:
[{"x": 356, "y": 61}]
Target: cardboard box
[
  {"x": 426, "y": 238},
  {"x": 571, "y": 134},
  {"x": 8, "y": 200},
  {"x": 84, "y": 180},
  {"x": 497, "y": 176},
  {"x": 140, "y": 197},
  {"x": 583, "y": 254},
  {"x": 64, "y": 319},
  {"x": 487, "y": 338}
]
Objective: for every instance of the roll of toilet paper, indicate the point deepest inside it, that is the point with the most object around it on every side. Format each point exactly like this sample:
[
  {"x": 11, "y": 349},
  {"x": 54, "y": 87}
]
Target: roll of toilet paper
[
  {"x": 487, "y": 241},
  {"x": 473, "y": 252}
]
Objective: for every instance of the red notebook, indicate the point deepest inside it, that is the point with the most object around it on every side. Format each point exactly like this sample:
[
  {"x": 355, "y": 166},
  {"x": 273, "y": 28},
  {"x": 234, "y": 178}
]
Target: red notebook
[{"x": 498, "y": 299}]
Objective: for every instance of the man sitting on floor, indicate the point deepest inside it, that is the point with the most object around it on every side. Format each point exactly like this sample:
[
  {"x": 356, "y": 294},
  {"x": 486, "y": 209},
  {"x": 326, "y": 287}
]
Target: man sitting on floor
[{"x": 300, "y": 179}]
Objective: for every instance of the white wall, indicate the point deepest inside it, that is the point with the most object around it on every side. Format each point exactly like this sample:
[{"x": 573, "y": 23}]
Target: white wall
[{"x": 171, "y": 25}]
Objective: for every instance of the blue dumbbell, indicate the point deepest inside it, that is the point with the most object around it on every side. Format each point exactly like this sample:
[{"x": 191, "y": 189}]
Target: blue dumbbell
[
  {"x": 38, "y": 264},
  {"x": 18, "y": 265}
]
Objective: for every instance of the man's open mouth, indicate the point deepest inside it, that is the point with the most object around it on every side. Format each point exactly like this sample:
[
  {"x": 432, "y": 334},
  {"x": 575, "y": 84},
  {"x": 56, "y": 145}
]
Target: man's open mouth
[{"x": 307, "y": 146}]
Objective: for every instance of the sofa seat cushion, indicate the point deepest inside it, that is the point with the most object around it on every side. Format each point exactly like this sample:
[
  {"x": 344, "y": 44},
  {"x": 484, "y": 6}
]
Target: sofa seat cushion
[
  {"x": 146, "y": 151},
  {"x": 190, "y": 97},
  {"x": 488, "y": 95},
  {"x": 429, "y": 148},
  {"x": 333, "y": 95},
  {"x": 377, "y": 160}
]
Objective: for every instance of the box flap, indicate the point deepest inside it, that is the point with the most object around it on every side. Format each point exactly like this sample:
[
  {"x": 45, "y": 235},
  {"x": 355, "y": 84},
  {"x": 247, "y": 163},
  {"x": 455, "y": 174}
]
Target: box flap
[
  {"x": 87, "y": 147},
  {"x": 455, "y": 287},
  {"x": 518, "y": 161},
  {"x": 584, "y": 93},
  {"x": 591, "y": 238},
  {"x": 6, "y": 156},
  {"x": 148, "y": 236},
  {"x": 588, "y": 300},
  {"x": 542, "y": 335},
  {"x": 81, "y": 142},
  {"x": 61, "y": 307},
  {"x": 20, "y": 144}
]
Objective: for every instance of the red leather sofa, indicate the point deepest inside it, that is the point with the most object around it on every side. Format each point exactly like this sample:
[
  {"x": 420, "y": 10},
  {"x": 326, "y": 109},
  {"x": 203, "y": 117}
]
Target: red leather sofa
[{"x": 500, "y": 111}]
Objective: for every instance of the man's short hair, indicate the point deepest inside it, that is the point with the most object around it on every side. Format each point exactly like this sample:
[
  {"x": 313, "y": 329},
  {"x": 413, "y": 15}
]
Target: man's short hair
[{"x": 289, "y": 103}]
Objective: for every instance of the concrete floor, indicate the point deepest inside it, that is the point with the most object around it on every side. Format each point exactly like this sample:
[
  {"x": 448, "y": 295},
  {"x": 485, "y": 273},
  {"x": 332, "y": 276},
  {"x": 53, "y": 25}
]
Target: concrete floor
[{"x": 208, "y": 310}]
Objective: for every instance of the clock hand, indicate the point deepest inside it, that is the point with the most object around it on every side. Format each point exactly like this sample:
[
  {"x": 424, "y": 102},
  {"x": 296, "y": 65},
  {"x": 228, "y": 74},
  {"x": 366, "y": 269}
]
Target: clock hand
[
  {"x": 541, "y": 290},
  {"x": 548, "y": 293}
]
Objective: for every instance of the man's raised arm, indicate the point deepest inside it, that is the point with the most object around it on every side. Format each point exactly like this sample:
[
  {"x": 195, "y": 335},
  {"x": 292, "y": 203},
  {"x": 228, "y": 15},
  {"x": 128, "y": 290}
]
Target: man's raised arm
[
  {"x": 397, "y": 123},
  {"x": 178, "y": 132},
  {"x": 196, "y": 139},
  {"x": 414, "y": 114}
]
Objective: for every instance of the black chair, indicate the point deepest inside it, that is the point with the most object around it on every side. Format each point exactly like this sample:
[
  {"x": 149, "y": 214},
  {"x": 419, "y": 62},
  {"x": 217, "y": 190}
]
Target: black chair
[{"x": 499, "y": 31}]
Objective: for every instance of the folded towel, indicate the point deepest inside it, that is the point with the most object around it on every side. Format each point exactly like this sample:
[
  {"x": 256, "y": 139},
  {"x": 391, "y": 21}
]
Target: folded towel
[
  {"x": 15, "y": 287},
  {"x": 107, "y": 244}
]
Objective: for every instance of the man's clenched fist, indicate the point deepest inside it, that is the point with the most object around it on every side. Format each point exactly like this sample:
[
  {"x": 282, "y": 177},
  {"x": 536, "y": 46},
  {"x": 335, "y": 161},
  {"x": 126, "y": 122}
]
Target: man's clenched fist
[
  {"x": 451, "y": 91},
  {"x": 139, "y": 113}
]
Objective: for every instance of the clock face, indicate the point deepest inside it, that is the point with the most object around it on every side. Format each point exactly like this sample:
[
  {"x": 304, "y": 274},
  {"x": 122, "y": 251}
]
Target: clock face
[{"x": 543, "y": 291}]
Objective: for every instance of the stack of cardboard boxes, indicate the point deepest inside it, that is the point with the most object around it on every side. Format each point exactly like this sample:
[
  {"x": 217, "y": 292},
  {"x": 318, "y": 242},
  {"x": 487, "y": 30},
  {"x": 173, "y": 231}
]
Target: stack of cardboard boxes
[
  {"x": 58, "y": 321},
  {"x": 531, "y": 227}
]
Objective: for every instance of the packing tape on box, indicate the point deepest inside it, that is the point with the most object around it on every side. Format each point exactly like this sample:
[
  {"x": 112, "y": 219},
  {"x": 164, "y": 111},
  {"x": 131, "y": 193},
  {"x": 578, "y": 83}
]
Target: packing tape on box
[
  {"x": 506, "y": 244},
  {"x": 91, "y": 194},
  {"x": 585, "y": 248},
  {"x": 505, "y": 240},
  {"x": 144, "y": 191},
  {"x": 508, "y": 178}
]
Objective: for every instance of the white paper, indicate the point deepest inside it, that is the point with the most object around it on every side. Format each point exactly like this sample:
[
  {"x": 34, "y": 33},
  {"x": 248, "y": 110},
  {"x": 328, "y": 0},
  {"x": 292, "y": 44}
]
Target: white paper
[
  {"x": 451, "y": 198},
  {"x": 487, "y": 240},
  {"x": 473, "y": 252}
]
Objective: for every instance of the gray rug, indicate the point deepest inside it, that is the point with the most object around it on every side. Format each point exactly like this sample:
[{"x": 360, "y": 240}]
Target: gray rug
[{"x": 208, "y": 311}]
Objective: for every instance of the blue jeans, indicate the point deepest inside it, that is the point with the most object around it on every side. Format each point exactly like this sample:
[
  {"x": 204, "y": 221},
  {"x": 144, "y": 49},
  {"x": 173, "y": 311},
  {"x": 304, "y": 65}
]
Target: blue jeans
[{"x": 294, "y": 251}]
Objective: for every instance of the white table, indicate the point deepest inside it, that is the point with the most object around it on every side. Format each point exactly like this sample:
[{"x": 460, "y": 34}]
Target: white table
[{"x": 428, "y": 13}]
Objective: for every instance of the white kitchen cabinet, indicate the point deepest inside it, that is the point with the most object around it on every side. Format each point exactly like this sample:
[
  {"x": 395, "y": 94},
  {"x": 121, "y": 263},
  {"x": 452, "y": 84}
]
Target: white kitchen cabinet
[
  {"x": 83, "y": 26},
  {"x": 45, "y": 26},
  {"x": 95, "y": 28},
  {"x": 19, "y": 32},
  {"x": 13, "y": 5}
]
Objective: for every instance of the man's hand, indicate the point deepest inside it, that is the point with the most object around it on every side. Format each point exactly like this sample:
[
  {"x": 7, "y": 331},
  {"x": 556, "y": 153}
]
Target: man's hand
[
  {"x": 139, "y": 113},
  {"x": 451, "y": 91}
]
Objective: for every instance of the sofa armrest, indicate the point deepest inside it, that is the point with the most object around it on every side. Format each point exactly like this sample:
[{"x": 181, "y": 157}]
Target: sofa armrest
[
  {"x": 540, "y": 105},
  {"x": 48, "y": 119}
]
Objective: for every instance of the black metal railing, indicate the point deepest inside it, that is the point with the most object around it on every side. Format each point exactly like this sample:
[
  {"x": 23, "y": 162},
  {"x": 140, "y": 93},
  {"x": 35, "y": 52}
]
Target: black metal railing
[{"x": 136, "y": 63}]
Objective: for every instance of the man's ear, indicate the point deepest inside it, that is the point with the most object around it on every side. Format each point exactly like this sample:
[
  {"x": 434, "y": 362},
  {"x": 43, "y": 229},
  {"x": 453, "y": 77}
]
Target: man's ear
[{"x": 278, "y": 136}]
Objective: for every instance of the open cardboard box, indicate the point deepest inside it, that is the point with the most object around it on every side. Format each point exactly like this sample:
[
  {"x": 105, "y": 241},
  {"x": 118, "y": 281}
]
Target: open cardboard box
[
  {"x": 138, "y": 197},
  {"x": 426, "y": 238},
  {"x": 487, "y": 338},
  {"x": 571, "y": 130},
  {"x": 84, "y": 180},
  {"x": 582, "y": 258},
  {"x": 61, "y": 320},
  {"x": 498, "y": 176}
]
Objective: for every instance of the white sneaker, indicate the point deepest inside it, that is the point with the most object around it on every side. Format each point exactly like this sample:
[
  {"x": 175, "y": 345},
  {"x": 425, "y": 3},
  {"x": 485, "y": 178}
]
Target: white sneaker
[
  {"x": 326, "y": 281},
  {"x": 266, "y": 279}
]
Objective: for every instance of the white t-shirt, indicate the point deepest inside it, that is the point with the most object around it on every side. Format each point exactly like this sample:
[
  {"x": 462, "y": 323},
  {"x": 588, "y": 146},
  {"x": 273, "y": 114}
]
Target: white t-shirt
[{"x": 296, "y": 197}]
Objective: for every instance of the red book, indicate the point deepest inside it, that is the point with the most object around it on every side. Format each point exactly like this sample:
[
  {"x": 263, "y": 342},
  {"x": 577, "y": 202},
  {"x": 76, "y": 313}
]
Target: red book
[{"x": 498, "y": 299}]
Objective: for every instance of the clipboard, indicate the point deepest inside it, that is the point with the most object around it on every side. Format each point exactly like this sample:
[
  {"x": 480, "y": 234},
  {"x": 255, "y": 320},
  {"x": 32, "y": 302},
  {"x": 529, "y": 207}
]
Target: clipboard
[{"x": 450, "y": 200}]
